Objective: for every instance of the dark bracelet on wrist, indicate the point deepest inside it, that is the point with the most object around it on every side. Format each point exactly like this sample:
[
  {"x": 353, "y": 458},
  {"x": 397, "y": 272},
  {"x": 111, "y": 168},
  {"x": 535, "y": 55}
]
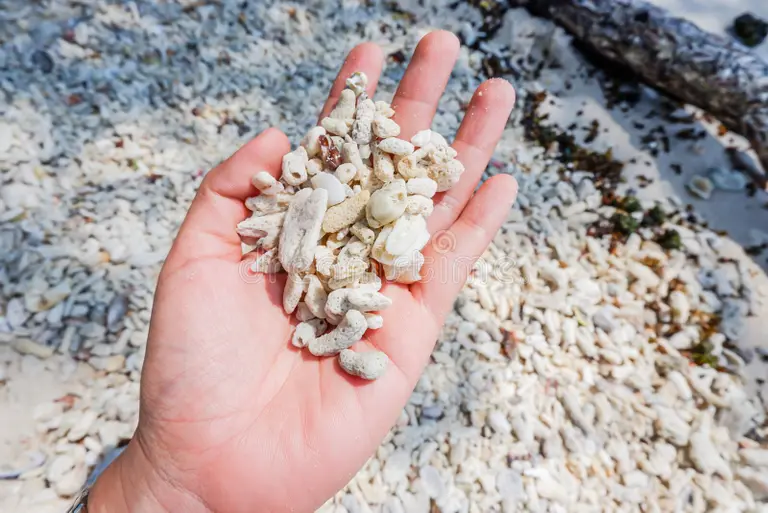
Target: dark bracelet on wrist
[{"x": 81, "y": 502}]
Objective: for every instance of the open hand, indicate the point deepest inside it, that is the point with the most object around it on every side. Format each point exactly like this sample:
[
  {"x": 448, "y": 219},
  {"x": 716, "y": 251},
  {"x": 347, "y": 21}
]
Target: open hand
[{"x": 233, "y": 417}]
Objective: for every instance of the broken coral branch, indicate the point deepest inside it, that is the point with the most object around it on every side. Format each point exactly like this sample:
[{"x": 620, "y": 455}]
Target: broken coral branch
[{"x": 719, "y": 76}]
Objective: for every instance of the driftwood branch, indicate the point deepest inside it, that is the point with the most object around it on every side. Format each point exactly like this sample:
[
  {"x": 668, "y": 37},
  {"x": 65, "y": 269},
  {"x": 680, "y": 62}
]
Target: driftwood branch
[{"x": 719, "y": 76}]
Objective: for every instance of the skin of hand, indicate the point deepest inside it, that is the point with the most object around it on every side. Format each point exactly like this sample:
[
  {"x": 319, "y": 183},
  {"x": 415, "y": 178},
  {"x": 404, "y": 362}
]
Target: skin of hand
[{"x": 233, "y": 418}]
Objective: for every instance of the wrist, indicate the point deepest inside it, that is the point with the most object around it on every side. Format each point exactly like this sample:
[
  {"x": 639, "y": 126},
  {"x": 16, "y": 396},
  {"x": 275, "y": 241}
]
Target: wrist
[
  {"x": 124, "y": 486},
  {"x": 131, "y": 484}
]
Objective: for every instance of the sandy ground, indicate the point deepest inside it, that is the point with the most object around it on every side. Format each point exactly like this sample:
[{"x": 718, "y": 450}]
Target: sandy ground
[
  {"x": 742, "y": 217},
  {"x": 732, "y": 212},
  {"x": 34, "y": 383},
  {"x": 716, "y": 15}
]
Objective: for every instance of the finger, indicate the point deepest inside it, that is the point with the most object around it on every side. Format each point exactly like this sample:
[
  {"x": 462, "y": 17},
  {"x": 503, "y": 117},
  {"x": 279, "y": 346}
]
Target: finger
[
  {"x": 389, "y": 338},
  {"x": 366, "y": 57},
  {"x": 451, "y": 256},
  {"x": 416, "y": 99},
  {"x": 480, "y": 131},
  {"x": 208, "y": 229}
]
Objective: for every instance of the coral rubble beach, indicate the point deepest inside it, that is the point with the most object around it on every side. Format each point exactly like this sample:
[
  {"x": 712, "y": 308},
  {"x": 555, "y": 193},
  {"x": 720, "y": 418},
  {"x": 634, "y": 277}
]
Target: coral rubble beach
[{"x": 609, "y": 347}]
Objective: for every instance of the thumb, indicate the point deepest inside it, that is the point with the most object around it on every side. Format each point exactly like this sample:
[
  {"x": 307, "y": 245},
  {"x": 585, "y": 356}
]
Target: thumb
[{"x": 208, "y": 230}]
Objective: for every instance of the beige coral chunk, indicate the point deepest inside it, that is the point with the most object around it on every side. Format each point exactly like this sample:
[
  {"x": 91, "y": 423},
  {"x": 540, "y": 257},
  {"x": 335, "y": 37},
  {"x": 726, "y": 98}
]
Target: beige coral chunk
[{"x": 346, "y": 213}]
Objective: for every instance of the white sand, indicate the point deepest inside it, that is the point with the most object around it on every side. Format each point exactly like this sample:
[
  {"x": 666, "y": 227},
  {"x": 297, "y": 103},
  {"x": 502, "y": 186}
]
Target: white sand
[{"x": 716, "y": 15}]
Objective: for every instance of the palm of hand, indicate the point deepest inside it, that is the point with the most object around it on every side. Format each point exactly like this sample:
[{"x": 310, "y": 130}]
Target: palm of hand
[
  {"x": 231, "y": 413},
  {"x": 258, "y": 414}
]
